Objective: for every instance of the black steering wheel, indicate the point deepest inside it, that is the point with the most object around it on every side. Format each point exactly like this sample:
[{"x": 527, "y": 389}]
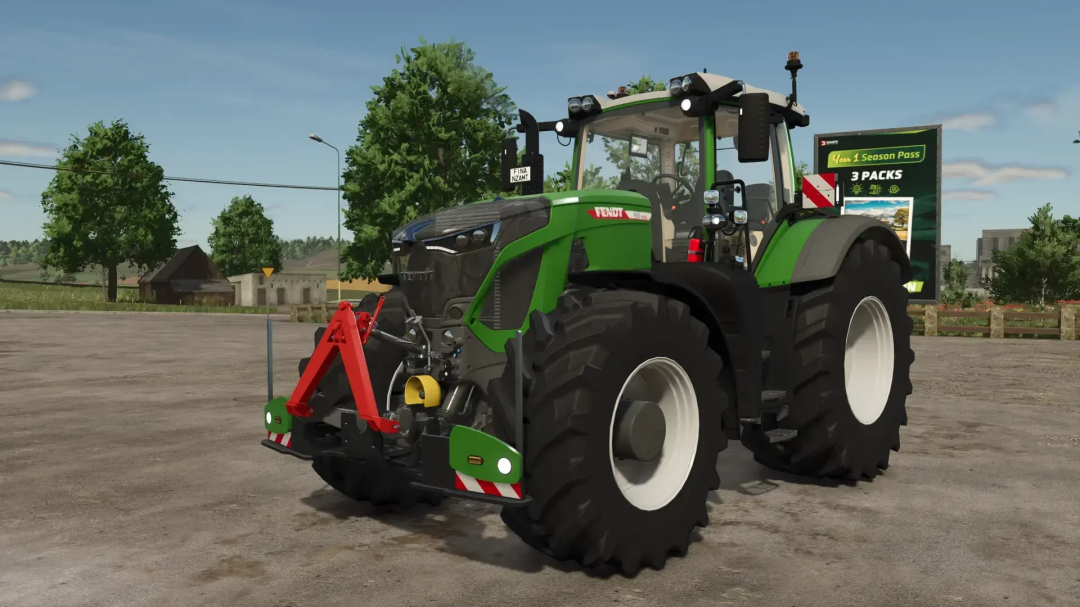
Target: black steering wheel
[{"x": 682, "y": 181}]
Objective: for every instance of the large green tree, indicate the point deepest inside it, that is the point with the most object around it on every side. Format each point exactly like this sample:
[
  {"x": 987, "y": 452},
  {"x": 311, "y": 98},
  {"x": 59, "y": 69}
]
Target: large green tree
[
  {"x": 243, "y": 239},
  {"x": 432, "y": 138},
  {"x": 1042, "y": 267},
  {"x": 108, "y": 205}
]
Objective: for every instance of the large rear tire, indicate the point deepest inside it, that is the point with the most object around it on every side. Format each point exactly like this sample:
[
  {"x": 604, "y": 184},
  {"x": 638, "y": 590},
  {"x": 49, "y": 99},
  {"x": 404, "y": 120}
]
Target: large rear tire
[
  {"x": 382, "y": 485},
  {"x": 851, "y": 370},
  {"x": 584, "y": 362}
]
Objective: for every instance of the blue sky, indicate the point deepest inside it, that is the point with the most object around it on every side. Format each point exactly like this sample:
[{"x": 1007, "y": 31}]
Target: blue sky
[{"x": 230, "y": 89}]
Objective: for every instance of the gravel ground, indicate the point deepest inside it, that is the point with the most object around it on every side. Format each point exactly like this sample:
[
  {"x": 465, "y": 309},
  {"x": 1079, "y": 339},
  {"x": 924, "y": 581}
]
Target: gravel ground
[{"x": 131, "y": 474}]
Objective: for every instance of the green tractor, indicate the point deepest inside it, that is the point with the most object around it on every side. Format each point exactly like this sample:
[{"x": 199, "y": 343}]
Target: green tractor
[{"x": 581, "y": 357}]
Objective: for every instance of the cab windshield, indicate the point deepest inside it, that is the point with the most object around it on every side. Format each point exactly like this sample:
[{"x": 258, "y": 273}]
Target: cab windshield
[{"x": 642, "y": 149}]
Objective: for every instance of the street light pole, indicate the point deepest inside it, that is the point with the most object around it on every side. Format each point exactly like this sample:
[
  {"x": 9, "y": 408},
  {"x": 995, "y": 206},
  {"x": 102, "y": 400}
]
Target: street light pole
[{"x": 315, "y": 137}]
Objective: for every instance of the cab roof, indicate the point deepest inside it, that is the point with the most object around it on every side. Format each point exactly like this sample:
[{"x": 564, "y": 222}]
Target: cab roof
[{"x": 715, "y": 81}]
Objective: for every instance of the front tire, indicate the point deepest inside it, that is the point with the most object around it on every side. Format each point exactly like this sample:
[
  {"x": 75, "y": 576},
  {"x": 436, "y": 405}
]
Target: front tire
[
  {"x": 851, "y": 369},
  {"x": 588, "y": 504}
]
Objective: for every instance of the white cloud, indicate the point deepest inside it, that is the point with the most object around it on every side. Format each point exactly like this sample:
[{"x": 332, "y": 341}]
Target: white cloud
[
  {"x": 969, "y": 195},
  {"x": 969, "y": 122},
  {"x": 20, "y": 148},
  {"x": 1043, "y": 109},
  {"x": 16, "y": 90},
  {"x": 6, "y": 195},
  {"x": 982, "y": 175}
]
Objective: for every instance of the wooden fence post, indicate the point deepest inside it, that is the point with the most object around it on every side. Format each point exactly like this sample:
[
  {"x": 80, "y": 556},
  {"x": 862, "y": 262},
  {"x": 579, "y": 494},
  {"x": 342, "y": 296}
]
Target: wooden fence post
[
  {"x": 930, "y": 320},
  {"x": 292, "y": 313},
  {"x": 1067, "y": 322},
  {"x": 997, "y": 322},
  {"x": 325, "y": 313}
]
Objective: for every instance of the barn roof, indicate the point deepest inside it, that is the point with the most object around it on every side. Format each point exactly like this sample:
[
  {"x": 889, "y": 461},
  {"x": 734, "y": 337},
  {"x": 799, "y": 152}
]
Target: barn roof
[
  {"x": 162, "y": 274},
  {"x": 201, "y": 285}
]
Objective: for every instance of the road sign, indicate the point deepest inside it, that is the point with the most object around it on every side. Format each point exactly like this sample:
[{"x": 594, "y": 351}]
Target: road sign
[{"x": 268, "y": 271}]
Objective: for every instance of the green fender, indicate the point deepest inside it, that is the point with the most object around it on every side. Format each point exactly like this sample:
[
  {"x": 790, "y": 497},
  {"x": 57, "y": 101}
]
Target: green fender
[{"x": 813, "y": 249}]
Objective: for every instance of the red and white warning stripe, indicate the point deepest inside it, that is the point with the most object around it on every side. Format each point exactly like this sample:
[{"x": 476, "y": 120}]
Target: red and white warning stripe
[
  {"x": 618, "y": 213},
  {"x": 819, "y": 191},
  {"x": 282, "y": 439},
  {"x": 464, "y": 482}
]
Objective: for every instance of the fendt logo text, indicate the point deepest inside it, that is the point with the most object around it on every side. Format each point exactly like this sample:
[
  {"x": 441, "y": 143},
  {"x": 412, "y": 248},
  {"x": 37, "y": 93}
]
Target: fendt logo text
[{"x": 618, "y": 213}]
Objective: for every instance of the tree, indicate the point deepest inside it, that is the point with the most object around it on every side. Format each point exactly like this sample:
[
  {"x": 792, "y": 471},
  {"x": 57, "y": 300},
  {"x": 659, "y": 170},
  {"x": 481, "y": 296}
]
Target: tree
[
  {"x": 900, "y": 218},
  {"x": 802, "y": 169},
  {"x": 432, "y": 138},
  {"x": 954, "y": 290},
  {"x": 243, "y": 239},
  {"x": 1077, "y": 140},
  {"x": 563, "y": 180},
  {"x": 110, "y": 207},
  {"x": 1042, "y": 267}
]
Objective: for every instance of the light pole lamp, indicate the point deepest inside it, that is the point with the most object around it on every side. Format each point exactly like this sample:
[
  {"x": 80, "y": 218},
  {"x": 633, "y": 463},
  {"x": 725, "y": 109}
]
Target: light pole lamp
[{"x": 315, "y": 137}]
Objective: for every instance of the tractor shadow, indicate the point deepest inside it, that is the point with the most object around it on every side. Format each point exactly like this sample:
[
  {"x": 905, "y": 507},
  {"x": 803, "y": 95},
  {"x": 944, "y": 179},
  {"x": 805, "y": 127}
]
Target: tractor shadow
[
  {"x": 741, "y": 474},
  {"x": 461, "y": 528}
]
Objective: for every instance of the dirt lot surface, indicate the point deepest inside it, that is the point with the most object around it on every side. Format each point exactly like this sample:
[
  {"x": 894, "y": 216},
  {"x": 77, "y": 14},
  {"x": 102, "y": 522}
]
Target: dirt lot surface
[{"x": 131, "y": 474}]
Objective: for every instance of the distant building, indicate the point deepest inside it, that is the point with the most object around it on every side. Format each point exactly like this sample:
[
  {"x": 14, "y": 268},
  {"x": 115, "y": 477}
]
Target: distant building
[
  {"x": 188, "y": 278},
  {"x": 944, "y": 258},
  {"x": 993, "y": 240},
  {"x": 256, "y": 289}
]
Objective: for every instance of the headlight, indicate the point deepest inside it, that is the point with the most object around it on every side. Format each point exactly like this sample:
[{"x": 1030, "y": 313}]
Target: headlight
[
  {"x": 461, "y": 241},
  {"x": 504, "y": 465},
  {"x": 686, "y": 83},
  {"x": 587, "y": 104},
  {"x": 269, "y": 418},
  {"x": 675, "y": 86},
  {"x": 685, "y": 105},
  {"x": 479, "y": 236},
  {"x": 559, "y": 126},
  {"x": 574, "y": 105}
]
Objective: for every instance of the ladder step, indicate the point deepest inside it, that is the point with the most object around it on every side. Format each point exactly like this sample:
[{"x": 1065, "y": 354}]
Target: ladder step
[
  {"x": 768, "y": 396},
  {"x": 779, "y": 435},
  {"x": 766, "y": 354}
]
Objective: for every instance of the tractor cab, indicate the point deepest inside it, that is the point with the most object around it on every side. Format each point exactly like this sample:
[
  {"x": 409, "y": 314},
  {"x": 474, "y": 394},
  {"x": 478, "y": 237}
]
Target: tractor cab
[{"x": 708, "y": 148}]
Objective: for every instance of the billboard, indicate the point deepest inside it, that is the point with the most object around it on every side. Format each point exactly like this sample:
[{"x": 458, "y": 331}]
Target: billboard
[{"x": 893, "y": 175}]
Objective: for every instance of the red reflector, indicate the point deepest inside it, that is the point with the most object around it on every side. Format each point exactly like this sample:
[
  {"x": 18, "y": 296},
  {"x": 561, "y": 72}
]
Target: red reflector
[{"x": 695, "y": 251}]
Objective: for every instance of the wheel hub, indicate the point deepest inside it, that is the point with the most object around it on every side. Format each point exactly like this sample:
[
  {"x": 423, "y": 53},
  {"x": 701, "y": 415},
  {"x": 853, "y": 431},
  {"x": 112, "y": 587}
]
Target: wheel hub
[
  {"x": 869, "y": 358},
  {"x": 639, "y": 431}
]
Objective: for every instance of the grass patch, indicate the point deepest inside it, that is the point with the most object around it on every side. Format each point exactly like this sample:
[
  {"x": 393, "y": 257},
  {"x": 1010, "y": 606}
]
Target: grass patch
[{"x": 14, "y": 296}]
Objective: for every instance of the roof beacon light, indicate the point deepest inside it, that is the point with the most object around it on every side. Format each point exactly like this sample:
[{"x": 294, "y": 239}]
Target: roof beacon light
[{"x": 623, "y": 92}]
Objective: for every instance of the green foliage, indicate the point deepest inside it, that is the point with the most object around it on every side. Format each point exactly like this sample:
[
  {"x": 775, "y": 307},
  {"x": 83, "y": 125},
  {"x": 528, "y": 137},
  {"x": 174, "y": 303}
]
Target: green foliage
[
  {"x": 301, "y": 248},
  {"x": 563, "y": 181},
  {"x": 1077, "y": 140},
  {"x": 16, "y": 252},
  {"x": 954, "y": 291},
  {"x": 801, "y": 170},
  {"x": 1043, "y": 266},
  {"x": 432, "y": 138},
  {"x": 116, "y": 209},
  {"x": 645, "y": 84},
  {"x": 15, "y": 296},
  {"x": 243, "y": 239}
]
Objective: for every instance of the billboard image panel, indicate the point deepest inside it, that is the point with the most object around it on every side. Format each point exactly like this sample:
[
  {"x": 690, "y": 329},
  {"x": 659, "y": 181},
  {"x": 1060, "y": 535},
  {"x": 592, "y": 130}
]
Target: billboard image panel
[{"x": 894, "y": 175}]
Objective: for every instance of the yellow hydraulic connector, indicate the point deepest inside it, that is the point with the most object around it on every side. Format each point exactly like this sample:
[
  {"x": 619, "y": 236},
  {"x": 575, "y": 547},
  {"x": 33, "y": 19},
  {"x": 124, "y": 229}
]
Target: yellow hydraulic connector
[{"x": 423, "y": 390}]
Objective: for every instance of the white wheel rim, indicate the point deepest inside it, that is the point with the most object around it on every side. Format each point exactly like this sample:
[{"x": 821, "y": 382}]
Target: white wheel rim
[
  {"x": 652, "y": 485},
  {"x": 868, "y": 360}
]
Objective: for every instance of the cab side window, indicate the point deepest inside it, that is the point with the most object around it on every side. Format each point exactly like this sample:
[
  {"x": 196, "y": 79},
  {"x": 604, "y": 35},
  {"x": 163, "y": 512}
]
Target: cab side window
[{"x": 763, "y": 187}]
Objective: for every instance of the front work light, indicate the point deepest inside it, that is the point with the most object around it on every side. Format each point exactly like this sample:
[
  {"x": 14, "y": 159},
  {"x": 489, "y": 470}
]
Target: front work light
[
  {"x": 574, "y": 105},
  {"x": 675, "y": 86},
  {"x": 686, "y": 83},
  {"x": 587, "y": 104},
  {"x": 739, "y": 216},
  {"x": 712, "y": 197}
]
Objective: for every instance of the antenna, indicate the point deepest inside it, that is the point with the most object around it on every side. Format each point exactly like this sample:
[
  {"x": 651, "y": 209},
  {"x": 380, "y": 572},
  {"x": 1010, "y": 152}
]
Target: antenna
[{"x": 793, "y": 66}]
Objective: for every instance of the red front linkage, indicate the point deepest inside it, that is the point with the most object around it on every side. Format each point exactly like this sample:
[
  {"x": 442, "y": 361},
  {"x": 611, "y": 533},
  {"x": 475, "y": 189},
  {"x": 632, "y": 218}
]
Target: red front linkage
[{"x": 345, "y": 335}]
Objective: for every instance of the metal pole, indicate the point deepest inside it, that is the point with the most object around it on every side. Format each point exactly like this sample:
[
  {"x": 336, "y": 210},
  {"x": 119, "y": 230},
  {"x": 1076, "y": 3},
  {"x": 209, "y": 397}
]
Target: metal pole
[
  {"x": 269, "y": 358},
  {"x": 338, "y": 224}
]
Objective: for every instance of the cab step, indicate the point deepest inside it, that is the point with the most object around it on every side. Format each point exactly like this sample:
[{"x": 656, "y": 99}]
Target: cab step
[
  {"x": 779, "y": 435},
  {"x": 773, "y": 396}
]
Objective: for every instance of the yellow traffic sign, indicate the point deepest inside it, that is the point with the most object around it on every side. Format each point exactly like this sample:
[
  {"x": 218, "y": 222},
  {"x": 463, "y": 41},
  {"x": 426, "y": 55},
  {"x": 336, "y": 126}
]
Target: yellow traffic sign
[{"x": 268, "y": 271}]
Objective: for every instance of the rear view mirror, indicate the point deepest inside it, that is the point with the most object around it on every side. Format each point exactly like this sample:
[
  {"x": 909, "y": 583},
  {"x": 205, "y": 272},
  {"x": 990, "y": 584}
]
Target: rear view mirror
[
  {"x": 753, "y": 127},
  {"x": 639, "y": 147}
]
